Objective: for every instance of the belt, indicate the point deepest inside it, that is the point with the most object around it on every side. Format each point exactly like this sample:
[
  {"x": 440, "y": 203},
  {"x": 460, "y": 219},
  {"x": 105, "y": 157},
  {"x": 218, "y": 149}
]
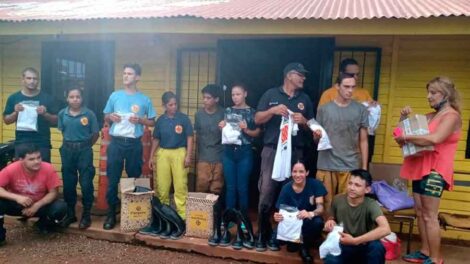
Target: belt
[
  {"x": 272, "y": 146},
  {"x": 125, "y": 139},
  {"x": 77, "y": 144},
  {"x": 235, "y": 146}
]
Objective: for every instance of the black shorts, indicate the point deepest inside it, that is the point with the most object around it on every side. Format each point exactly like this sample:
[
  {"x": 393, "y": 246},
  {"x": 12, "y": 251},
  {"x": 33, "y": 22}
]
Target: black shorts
[{"x": 430, "y": 185}]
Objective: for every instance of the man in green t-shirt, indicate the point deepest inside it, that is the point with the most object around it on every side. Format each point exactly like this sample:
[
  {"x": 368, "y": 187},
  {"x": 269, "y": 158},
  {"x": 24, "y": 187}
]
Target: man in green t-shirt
[
  {"x": 32, "y": 97},
  {"x": 363, "y": 221}
]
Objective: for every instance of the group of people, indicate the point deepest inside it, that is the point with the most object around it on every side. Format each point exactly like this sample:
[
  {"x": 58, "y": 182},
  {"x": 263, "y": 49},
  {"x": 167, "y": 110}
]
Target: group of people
[{"x": 336, "y": 194}]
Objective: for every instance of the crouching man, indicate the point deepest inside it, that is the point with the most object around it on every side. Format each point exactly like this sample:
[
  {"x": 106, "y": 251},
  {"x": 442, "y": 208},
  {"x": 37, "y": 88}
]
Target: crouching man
[
  {"x": 363, "y": 221},
  {"x": 29, "y": 188}
]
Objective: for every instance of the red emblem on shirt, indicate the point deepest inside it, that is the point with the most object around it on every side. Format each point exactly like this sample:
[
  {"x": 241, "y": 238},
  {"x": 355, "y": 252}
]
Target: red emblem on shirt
[
  {"x": 135, "y": 109},
  {"x": 178, "y": 129},
  {"x": 84, "y": 121}
]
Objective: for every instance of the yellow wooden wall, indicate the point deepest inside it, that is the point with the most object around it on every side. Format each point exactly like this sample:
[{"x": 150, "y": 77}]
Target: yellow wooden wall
[
  {"x": 158, "y": 63},
  {"x": 158, "y": 74},
  {"x": 408, "y": 62}
]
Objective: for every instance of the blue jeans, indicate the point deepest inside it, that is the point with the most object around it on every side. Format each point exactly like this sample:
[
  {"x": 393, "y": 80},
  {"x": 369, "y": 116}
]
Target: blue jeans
[
  {"x": 368, "y": 253},
  {"x": 120, "y": 149},
  {"x": 52, "y": 214},
  {"x": 237, "y": 162},
  {"x": 77, "y": 166}
]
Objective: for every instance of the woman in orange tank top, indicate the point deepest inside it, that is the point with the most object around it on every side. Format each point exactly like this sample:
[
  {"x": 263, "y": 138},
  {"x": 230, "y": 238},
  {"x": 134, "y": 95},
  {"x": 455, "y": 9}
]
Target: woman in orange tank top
[{"x": 432, "y": 172}]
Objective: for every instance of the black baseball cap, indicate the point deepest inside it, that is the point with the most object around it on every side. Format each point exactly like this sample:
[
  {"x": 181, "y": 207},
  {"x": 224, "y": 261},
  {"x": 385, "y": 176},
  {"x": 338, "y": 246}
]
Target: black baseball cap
[{"x": 295, "y": 66}]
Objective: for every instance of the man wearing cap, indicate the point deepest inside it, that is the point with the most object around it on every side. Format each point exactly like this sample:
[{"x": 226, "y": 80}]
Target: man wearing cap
[{"x": 274, "y": 104}]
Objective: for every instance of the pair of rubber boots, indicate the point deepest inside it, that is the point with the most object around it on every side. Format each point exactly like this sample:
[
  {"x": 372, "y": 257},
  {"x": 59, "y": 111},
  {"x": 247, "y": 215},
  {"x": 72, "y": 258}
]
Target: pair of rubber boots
[
  {"x": 223, "y": 239},
  {"x": 85, "y": 221},
  {"x": 166, "y": 223},
  {"x": 267, "y": 238}
]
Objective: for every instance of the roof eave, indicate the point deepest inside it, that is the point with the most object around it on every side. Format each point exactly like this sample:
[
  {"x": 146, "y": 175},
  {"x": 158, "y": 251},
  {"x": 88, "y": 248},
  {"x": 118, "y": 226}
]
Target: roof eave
[{"x": 194, "y": 25}]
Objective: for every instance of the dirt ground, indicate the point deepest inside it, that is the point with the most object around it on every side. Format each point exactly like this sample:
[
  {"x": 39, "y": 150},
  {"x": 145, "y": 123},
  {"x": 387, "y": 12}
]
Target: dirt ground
[{"x": 25, "y": 245}]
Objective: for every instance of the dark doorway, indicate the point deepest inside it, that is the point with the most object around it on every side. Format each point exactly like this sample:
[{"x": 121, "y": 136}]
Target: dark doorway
[
  {"x": 259, "y": 65},
  {"x": 89, "y": 65}
]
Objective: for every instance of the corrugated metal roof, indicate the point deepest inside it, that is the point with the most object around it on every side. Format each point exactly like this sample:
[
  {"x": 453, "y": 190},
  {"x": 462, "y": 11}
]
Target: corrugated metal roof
[{"x": 24, "y": 10}]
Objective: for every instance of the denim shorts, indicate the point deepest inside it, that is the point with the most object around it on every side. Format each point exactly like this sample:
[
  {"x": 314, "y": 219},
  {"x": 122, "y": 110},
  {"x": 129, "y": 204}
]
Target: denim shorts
[{"x": 430, "y": 185}]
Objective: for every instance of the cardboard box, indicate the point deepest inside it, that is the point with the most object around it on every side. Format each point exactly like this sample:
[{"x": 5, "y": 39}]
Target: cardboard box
[
  {"x": 200, "y": 214},
  {"x": 136, "y": 207},
  {"x": 415, "y": 125}
]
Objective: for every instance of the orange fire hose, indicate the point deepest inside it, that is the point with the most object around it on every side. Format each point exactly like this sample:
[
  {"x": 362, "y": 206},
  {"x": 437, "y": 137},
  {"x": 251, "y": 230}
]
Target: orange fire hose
[
  {"x": 146, "y": 147},
  {"x": 103, "y": 179}
]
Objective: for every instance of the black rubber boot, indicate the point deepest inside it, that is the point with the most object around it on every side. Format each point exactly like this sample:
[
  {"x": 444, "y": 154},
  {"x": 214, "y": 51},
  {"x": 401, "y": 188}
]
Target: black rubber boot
[
  {"x": 157, "y": 220},
  {"x": 165, "y": 225},
  {"x": 238, "y": 242},
  {"x": 70, "y": 218},
  {"x": 214, "y": 239},
  {"x": 155, "y": 226},
  {"x": 248, "y": 237},
  {"x": 260, "y": 244},
  {"x": 292, "y": 247},
  {"x": 177, "y": 223},
  {"x": 85, "y": 221},
  {"x": 273, "y": 244},
  {"x": 157, "y": 223},
  {"x": 229, "y": 216},
  {"x": 166, "y": 229},
  {"x": 305, "y": 254},
  {"x": 110, "y": 221}
]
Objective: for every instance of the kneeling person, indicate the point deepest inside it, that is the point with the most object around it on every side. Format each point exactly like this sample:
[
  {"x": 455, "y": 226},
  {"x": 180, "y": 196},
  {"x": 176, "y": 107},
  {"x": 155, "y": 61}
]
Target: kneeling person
[
  {"x": 30, "y": 187},
  {"x": 363, "y": 221},
  {"x": 307, "y": 195}
]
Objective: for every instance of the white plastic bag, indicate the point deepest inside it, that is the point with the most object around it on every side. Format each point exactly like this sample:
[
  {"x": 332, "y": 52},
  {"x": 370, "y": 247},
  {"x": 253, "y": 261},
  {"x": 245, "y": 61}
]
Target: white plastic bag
[
  {"x": 282, "y": 160},
  {"x": 124, "y": 128},
  {"x": 374, "y": 117},
  {"x": 324, "y": 142},
  {"x": 28, "y": 118},
  {"x": 331, "y": 245},
  {"x": 290, "y": 228},
  {"x": 230, "y": 135}
]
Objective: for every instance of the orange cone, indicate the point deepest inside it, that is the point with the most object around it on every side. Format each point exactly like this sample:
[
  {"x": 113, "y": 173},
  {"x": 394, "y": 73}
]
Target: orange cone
[
  {"x": 146, "y": 148},
  {"x": 103, "y": 179}
]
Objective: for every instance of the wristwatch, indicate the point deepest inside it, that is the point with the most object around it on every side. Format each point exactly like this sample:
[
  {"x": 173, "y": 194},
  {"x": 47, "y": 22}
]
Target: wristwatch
[{"x": 312, "y": 214}]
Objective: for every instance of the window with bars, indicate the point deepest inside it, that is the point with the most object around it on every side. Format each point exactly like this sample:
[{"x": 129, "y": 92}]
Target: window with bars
[
  {"x": 196, "y": 69},
  {"x": 70, "y": 72},
  {"x": 89, "y": 65}
]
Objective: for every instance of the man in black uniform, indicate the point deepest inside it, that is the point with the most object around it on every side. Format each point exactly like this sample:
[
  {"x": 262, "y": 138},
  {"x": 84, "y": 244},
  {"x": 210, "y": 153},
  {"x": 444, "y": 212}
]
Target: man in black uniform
[{"x": 274, "y": 104}]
